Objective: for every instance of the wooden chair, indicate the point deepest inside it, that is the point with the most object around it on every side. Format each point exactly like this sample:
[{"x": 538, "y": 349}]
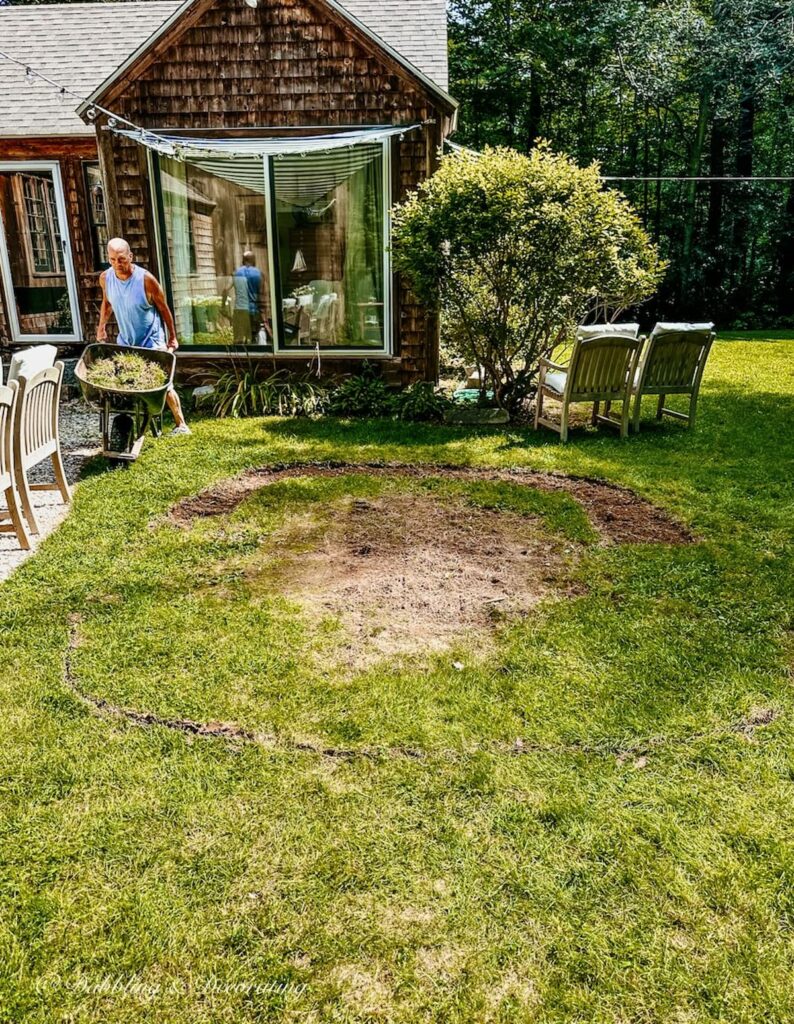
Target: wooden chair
[
  {"x": 9, "y": 406},
  {"x": 36, "y": 436},
  {"x": 673, "y": 364},
  {"x": 601, "y": 369}
]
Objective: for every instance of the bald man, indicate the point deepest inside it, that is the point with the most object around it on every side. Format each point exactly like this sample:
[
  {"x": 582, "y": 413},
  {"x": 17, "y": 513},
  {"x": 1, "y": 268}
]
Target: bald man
[{"x": 141, "y": 310}]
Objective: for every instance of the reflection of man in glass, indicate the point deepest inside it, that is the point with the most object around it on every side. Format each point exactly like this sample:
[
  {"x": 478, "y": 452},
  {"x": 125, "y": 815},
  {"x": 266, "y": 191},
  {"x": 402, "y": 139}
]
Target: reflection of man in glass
[{"x": 246, "y": 282}]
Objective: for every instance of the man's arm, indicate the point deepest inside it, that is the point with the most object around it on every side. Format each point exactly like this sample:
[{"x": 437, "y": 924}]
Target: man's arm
[
  {"x": 156, "y": 295},
  {"x": 105, "y": 311}
]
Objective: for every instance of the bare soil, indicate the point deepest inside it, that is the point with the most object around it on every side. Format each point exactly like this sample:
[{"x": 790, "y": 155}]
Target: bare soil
[
  {"x": 619, "y": 515},
  {"x": 410, "y": 573}
]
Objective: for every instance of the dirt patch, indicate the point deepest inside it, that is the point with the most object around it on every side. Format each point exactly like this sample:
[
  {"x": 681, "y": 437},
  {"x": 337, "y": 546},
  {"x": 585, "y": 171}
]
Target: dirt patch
[
  {"x": 617, "y": 514},
  {"x": 756, "y": 718},
  {"x": 410, "y": 573}
]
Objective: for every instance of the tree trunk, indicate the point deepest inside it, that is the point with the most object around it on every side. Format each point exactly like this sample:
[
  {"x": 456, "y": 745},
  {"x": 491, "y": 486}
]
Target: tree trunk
[
  {"x": 785, "y": 258},
  {"x": 693, "y": 170}
]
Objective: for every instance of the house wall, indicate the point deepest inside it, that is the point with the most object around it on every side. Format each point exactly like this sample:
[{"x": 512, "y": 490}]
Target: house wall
[
  {"x": 70, "y": 153},
  {"x": 287, "y": 63}
]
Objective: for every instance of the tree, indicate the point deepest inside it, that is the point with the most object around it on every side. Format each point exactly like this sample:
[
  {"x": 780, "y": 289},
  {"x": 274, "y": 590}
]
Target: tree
[{"x": 515, "y": 251}]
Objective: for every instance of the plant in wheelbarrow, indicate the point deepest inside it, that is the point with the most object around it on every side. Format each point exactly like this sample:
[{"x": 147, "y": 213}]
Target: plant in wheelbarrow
[{"x": 128, "y": 386}]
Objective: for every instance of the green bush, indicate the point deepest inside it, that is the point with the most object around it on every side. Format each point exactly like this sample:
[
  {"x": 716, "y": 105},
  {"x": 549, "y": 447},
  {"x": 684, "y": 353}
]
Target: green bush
[
  {"x": 366, "y": 394},
  {"x": 242, "y": 392},
  {"x": 516, "y": 251},
  {"x": 421, "y": 401}
]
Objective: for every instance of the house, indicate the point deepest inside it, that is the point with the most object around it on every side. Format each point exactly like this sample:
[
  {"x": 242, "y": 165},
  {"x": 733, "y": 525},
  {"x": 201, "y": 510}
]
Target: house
[{"x": 217, "y": 135}]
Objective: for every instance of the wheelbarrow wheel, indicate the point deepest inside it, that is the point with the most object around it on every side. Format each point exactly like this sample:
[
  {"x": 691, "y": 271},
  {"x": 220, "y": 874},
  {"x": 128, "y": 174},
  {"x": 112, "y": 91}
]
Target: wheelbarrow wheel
[{"x": 122, "y": 432}]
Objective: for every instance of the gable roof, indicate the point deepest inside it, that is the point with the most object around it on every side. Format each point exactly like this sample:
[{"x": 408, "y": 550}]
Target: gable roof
[
  {"x": 65, "y": 42},
  {"x": 62, "y": 41}
]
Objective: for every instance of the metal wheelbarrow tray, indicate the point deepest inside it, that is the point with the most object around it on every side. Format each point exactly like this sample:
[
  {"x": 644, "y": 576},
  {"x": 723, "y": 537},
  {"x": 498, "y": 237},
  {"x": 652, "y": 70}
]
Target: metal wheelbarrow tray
[{"x": 125, "y": 416}]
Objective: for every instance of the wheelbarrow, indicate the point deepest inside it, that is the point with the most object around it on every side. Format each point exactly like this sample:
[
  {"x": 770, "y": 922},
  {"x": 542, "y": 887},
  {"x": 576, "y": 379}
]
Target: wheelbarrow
[{"x": 125, "y": 416}]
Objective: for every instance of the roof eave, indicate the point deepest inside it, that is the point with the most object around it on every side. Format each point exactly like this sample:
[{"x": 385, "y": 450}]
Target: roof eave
[{"x": 432, "y": 87}]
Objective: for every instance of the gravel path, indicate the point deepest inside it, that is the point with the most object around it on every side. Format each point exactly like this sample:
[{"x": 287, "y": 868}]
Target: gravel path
[{"x": 80, "y": 439}]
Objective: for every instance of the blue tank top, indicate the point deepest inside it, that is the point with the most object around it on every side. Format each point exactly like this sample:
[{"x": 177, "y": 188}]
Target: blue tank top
[
  {"x": 138, "y": 320},
  {"x": 247, "y": 286}
]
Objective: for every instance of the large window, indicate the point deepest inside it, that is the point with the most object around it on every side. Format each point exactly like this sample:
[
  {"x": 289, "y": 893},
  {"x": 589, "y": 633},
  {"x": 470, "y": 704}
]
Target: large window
[{"x": 286, "y": 252}]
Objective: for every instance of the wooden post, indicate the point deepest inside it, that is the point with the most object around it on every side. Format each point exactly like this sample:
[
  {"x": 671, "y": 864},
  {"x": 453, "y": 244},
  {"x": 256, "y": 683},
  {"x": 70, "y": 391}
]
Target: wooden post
[{"x": 108, "y": 167}]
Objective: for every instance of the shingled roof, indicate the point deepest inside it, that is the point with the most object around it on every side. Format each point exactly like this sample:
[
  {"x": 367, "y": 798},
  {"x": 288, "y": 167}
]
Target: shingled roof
[{"x": 66, "y": 43}]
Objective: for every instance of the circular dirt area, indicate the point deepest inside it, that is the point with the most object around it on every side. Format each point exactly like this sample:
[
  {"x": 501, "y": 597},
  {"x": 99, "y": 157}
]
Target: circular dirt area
[{"x": 409, "y": 572}]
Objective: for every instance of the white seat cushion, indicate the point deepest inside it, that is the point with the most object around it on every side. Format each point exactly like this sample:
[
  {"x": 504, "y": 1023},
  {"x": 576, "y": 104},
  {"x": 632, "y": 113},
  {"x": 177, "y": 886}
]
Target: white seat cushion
[
  {"x": 599, "y": 330},
  {"x": 30, "y": 360},
  {"x": 555, "y": 379},
  {"x": 677, "y": 328}
]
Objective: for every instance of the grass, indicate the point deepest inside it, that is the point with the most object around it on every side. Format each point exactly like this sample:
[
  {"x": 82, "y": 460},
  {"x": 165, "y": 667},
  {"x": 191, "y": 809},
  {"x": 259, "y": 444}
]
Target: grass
[{"x": 635, "y": 864}]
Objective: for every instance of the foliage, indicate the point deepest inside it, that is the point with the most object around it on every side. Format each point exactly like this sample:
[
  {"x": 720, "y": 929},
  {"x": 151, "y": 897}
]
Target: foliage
[
  {"x": 421, "y": 401},
  {"x": 126, "y": 371},
  {"x": 242, "y": 391},
  {"x": 517, "y": 250},
  {"x": 364, "y": 394},
  {"x": 654, "y": 89}
]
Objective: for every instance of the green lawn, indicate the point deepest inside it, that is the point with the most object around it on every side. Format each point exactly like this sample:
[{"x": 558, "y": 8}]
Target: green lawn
[{"x": 633, "y": 863}]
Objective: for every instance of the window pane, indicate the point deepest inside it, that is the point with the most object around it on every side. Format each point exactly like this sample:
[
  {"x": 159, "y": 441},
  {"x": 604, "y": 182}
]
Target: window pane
[
  {"x": 95, "y": 196},
  {"x": 216, "y": 233},
  {"x": 35, "y": 252},
  {"x": 330, "y": 225}
]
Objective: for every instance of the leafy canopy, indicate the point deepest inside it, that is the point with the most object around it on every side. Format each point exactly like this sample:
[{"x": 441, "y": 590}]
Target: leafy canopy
[{"x": 516, "y": 251}]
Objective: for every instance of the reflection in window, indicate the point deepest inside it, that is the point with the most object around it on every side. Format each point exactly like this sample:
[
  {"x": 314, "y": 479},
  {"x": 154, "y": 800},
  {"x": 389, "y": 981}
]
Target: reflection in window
[
  {"x": 97, "y": 214},
  {"x": 33, "y": 234},
  {"x": 216, "y": 231},
  {"x": 43, "y": 235},
  {"x": 330, "y": 227}
]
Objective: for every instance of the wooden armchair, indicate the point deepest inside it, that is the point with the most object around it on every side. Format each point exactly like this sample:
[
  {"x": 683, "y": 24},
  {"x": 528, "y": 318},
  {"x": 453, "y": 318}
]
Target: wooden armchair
[
  {"x": 601, "y": 369},
  {"x": 9, "y": 406},
  {"x": 673, "y": 364},
  {"x": 36, "y": 436}
]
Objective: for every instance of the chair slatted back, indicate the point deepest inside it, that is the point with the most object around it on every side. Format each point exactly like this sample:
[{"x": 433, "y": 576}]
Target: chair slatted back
[
  {"x": 37, "y": 421},
  {"x": 602, "y": 365},
  {"x": 674, "y": 359},
  {"x": 8, "y": 406}
]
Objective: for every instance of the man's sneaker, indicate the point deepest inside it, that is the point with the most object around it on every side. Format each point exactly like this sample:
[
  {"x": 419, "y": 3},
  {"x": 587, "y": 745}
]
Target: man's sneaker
[{"x": 180, "y": 431}]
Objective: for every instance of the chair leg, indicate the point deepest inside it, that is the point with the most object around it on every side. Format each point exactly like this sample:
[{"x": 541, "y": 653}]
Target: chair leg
[
  {"x": 60, "y": 475},
  {"x": 16, "y": 519},
  {"x": 594, "y": 418},
  {"x": 693, "y": 404},
  {"x": 564, "y": 423},
  {"x": 660, "y": 407},
  {"x": 538, "y": 407},
  {"x": 624, "y": 418},
  {"x": 637, "y": 413},
  {"x": 26, "y": 502}
]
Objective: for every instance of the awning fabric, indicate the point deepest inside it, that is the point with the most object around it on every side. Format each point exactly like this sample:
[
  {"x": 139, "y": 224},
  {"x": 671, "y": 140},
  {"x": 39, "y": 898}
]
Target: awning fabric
[{"x": 181, "y": 147}]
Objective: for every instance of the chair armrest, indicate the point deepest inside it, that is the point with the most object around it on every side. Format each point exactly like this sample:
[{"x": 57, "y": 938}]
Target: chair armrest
[{"x": 547, "y": 364}]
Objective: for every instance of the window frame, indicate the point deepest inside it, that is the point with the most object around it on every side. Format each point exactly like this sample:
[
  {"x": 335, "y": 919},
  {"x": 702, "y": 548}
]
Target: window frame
[{"x": 278, "y": 348}]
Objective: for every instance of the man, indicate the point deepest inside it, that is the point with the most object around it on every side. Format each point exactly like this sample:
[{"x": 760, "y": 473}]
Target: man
[
  {"x": 136, "y": 298},
  {"x": 246, "y": 282}
]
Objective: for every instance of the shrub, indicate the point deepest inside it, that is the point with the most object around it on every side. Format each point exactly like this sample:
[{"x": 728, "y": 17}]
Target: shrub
[
  {"x": 421, "y": 401},
  {"x": 515, "y": 251},
  {"x": 242, "y": 392},
  {"x": 366, "y": 394}
]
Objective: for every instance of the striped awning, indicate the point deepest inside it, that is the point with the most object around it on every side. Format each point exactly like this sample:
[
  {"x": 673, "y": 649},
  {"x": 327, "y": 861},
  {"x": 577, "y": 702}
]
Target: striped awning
[{"x": 185, "y": 147}]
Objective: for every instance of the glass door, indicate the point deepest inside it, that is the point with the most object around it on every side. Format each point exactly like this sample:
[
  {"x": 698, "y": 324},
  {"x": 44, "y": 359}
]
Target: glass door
[{"x": 35, "y": 255}]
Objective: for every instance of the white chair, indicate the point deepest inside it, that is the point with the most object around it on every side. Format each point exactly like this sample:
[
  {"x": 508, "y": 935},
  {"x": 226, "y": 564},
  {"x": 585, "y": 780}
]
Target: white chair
[
  {"x": 29, "y": 361},
  {"x": 9, "y": 406},
  {"x": 36, "y": 436}
]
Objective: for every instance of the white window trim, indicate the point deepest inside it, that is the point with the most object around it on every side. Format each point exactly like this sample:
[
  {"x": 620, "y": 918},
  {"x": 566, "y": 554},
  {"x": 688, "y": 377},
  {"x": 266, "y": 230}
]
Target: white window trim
[
  {"x": 279, "y": 350},
  {"x": 52, "y": 166}
]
